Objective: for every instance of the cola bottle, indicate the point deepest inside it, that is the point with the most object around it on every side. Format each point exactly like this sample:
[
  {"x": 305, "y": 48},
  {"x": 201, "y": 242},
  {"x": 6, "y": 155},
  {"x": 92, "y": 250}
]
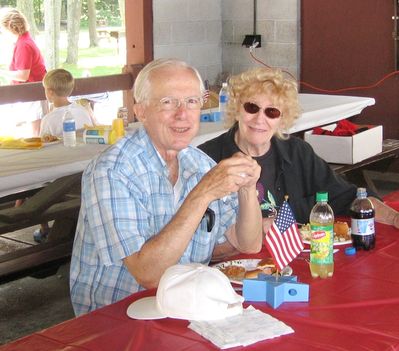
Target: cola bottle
[{"x": 362, "y": 221}]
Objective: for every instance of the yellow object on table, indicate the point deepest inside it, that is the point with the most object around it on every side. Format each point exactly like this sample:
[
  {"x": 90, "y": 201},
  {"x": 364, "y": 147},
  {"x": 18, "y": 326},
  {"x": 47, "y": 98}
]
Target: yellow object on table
[
  {"x": 118, "y": 127},
  {"x": 21, "y": 143},
  {"x": 104, "y": 134}
]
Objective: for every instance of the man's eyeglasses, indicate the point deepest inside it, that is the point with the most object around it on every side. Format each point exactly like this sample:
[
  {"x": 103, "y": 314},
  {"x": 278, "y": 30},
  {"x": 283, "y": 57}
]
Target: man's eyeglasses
[
  {"x": 270, "y": 112},
  {"x": 190, "y": 103}
]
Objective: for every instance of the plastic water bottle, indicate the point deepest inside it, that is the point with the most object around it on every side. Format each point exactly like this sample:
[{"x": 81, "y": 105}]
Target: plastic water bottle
[
  {"x": 322, "y": 238},
  {"x": 223, "y": 98},
  {"x": 362, "y": 221},
  {"x": 68, "y": 130}
]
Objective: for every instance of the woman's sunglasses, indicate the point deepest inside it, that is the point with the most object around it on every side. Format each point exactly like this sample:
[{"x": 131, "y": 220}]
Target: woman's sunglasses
[{"x": 270, "y": 112}]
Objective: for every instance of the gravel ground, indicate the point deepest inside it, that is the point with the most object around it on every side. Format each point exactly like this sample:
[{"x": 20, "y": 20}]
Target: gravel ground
[{"x": 29, "y": 304}]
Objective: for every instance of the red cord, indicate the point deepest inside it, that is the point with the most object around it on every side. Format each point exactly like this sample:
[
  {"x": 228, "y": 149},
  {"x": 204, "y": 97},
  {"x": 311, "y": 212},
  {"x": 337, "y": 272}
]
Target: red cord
[{"x": 362, "y": 87}]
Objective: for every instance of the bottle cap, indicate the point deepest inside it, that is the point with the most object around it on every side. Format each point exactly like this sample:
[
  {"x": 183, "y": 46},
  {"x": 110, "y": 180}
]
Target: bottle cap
[
  {"x": 361, "y": 192},
  {"x": 350, "y": 251},
  {"x": 321, "y": 196}
]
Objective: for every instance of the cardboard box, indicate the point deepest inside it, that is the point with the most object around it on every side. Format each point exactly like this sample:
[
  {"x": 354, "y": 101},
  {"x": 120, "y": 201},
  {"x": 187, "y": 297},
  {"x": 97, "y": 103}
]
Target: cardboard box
[{"x": 346, "y": 150}]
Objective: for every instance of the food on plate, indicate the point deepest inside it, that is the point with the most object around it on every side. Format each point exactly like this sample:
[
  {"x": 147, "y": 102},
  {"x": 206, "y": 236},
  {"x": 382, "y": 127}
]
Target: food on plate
[
  {"x": 264, "y": 266},
  {"x": 237, "y": 272},
  {"x": 253, "y": 274},
  {"x": 32, "y": 140},
  {"x": 342, "y": 232},
  {"x": 304, "y": 229},
  {"x": 267, "y": 264},
  {"x": 48, "y": 138},
  {"x": 234, "y": 272}
]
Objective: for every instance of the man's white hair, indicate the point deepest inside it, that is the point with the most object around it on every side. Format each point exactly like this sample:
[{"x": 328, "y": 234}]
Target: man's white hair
[{"x": 142, "y": 84}]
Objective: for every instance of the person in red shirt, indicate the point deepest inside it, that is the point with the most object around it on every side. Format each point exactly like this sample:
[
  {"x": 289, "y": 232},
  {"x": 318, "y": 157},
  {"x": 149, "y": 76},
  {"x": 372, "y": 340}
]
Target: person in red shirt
[{"x": 27, "y": 63}]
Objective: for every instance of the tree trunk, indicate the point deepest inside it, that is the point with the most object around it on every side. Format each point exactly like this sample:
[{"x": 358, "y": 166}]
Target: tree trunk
[
  {"x": 122, "y": 11},
  {"x": 52, "y": 16},
  {"x": 26, "y": 7},
  {"x": 73, "y": 27},
  {"x": 91, "y": 9}
]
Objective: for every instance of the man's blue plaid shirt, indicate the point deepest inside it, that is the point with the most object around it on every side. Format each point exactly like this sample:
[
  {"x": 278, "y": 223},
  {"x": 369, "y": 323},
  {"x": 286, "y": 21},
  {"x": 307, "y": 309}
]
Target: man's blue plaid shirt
[{"x": 126, "y": 199}]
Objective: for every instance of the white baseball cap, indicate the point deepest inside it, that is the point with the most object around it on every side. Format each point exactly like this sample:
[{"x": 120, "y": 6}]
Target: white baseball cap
[{"x": 190, "y": 291}]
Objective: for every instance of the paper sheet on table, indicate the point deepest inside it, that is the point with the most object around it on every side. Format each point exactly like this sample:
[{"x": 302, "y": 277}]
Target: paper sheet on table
[{"x": 242, "y": 330}]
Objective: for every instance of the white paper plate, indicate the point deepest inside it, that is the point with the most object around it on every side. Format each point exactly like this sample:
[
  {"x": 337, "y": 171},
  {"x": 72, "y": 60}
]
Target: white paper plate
[
  {"x": 249, "y": 265},
  {"x": 52, "y": 143},
  {"x": 336, "y": 242}
]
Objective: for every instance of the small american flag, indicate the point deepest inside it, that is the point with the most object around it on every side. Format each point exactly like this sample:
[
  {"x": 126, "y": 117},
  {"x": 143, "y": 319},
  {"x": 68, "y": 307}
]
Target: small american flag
[{"x": 283, "y": 240}]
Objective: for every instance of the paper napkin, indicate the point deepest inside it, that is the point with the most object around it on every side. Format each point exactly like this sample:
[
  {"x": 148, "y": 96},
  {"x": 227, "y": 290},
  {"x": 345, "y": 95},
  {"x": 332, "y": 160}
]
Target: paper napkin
[{"x": 242, "y": 330}]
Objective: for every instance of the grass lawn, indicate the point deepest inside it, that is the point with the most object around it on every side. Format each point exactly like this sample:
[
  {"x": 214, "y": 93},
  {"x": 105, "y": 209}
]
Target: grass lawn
[
  {"x": 93, "y": 61},
  {"x": 98, "y": 61}
]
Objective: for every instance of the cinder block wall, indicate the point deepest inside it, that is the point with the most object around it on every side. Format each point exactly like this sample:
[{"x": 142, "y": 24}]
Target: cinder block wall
[
  {"x": 277, "y": 23},
  {"x": 190, "y": 30},
  {"x": 208, "y": 34}
]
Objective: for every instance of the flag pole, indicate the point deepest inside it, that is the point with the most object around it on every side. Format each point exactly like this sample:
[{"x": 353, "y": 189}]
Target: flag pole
[
  {"x": 277, "y": 270},
  {"x": 283, "y": 240}
]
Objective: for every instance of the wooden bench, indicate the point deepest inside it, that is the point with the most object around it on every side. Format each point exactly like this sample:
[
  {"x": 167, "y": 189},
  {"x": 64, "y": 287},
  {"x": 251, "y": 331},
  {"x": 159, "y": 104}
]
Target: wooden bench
[
  {"x": 110, "y": 32},
  {"x": 59, "y": 202}
]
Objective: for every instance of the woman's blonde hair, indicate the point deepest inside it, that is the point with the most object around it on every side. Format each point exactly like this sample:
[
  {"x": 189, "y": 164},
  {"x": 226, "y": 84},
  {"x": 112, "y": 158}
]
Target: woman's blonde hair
[
  {"x": 282, "y": 91},
  {"x": 14, "y": 21}
]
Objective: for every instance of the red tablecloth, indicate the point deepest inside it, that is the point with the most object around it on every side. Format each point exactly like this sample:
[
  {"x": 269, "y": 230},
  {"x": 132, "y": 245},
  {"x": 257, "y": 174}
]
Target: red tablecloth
[
  {"x": 357, "y": 309},
  {"x": 392, "y": 199}
]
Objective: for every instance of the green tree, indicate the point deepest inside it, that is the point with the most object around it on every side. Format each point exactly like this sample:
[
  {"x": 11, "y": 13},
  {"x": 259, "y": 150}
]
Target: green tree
[
  {"x": 73, "y": 27},
  {"x": 92, "y": 18},
  {"x": 26, "y": 7},
  {"x": 52, "y": 16}
]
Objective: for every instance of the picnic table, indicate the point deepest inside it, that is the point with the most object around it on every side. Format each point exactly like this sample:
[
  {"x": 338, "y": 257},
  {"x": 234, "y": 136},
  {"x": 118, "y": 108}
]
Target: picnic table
[
  {"x": 111, "y": 32},
  {"x": 50, "y": 178},
  {"x": 356, "y": 309}
]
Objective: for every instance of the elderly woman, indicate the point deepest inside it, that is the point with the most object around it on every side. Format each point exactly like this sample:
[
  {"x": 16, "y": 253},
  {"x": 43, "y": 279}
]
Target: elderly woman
[
  {"x": 263, "y": 104},
  {"x": 27, "y": 63}
]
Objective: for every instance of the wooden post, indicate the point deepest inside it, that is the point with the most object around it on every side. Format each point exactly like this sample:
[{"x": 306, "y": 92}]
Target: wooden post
[{"x": 139, "y": 42}]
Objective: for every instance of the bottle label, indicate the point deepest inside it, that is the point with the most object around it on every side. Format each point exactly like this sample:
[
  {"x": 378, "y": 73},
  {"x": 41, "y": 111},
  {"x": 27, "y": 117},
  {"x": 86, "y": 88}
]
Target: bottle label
[
  {"x": 321, "y": 245},
  {"x": 100, "y": 132},
  {"x": 96, "y": 136},
  {"x": 362, "y": 226},
  {"x": 69, "y": 126},
  {"x": 95, "y": 140},
  {"x": 223, "y": 98}
]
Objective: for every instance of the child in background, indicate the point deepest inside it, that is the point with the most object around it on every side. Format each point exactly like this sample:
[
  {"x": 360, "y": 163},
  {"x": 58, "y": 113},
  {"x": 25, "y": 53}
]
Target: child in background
[{"x": 58, "y": 85}]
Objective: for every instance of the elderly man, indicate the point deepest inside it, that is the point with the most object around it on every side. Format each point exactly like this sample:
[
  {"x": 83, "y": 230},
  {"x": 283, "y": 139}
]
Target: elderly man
[{"x": 152, "y": 200}]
